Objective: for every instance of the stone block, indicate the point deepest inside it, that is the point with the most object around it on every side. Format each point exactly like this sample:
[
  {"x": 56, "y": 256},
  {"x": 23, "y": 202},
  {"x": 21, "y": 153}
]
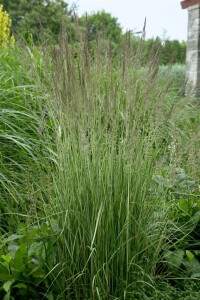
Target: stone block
[{"x": 193, "y": 49}]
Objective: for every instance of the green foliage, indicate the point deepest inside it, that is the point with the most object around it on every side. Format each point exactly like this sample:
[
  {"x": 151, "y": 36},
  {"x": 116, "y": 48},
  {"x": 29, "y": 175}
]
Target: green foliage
[
  {"x": 23, "y": 262},
  {"x": 39, "y": 19},
  {"x": 173, "y": 52},
  {"x": 177, "y": 75},
  {"x": 102, "y": 24},
  {"x": 182, "y": 252},
  {"x": 22, "y": 130},
  {"x": 170, "y": 52},
  {"x": 169, "y": 292},
  {"x": 82, "y": 216}
]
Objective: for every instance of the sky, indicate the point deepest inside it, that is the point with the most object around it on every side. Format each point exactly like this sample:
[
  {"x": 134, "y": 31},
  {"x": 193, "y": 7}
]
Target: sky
[{"x": 165, "y": 18}]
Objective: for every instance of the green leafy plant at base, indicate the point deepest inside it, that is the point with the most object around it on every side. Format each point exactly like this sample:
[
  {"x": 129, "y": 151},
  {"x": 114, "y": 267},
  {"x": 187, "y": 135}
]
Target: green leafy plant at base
[
  {"x": 182, "y": 253},
  {"x": 23, "y": 266}
]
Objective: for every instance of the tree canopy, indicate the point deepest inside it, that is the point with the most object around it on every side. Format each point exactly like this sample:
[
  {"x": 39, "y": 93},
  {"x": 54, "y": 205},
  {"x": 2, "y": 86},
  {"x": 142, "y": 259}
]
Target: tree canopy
[
  {"x": 43, "y": 18},
  {"x": 38, "y": 16},
  {"x": 102, "y": 23}
]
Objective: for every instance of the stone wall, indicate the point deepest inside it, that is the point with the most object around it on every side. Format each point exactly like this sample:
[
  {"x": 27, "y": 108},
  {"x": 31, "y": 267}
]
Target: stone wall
[{"x": 193, "y": 51}]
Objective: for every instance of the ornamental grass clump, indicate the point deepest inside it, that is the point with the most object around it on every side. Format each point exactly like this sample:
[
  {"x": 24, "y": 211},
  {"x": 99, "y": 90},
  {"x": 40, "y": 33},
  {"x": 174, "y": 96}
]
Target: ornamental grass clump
[
  {"x": 83, "y": 134},
  {"x": 111, "y": 123},
  {"x": 5, "y": 24}
]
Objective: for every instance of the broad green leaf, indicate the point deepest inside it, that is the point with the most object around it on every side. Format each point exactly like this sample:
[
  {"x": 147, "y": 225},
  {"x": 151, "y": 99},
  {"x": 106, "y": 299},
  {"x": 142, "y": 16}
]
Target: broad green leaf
[
  {"x": 186, "y": 183},
  {"x": 20, "y": 285},
  {"x": 7, "y": 296},
  {"x": 5, "y": 276},
  {"x": 195, "y": 275},
  {"x": 196, "y": 218},
  {"x": 180, "y": 171},
  {"x": 190, "y": 255},
  {"x": 36, "y": 249},
  {"x": 14, "y": 237},
  {"x": 7, "y": 285},
  {"x": 37, "y": 272},
  {"x": 5, "y": 265},
  {"x": 12, "y": 248},
  {"x": 162, "y": 181},
  {"x": 49, "y": 296},
  {"x": 174, "y": 258},
  {"x": 7, "y": 257},
  {"x": 18, "y": 262},
  {"x": 193, "y": 266},
  {"x": 183, "y": 204}
]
